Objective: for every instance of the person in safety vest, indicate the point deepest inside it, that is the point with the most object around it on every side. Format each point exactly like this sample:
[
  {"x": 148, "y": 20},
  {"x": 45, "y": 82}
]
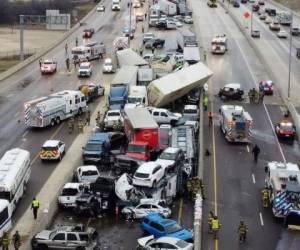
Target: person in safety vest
[
  {"x": 215, "y": 225},
  {"x": 265, "y": 197},
  {"x": 5, "y": 241},
  {"x": 205, "y": 103},
  {"x": 35, "y": 207},
  {"x": 210, "y": 219},
  {"x": 16, "y": 240},
  {"x": 242, "y": 230}
]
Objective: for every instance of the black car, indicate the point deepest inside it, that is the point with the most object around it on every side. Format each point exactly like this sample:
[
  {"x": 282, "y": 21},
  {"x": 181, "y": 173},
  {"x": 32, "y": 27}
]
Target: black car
[
  {"x": 270, "y": 12},
  {"x": 193, "y": 97},
  {"x": 155, "y": 43},
  {"x": 295, "y": 31},
  {"x": 161, "y": 25},
  {"x": 298, "y": 52},
  {"x": 244, "y": 1},
  {"x": 236, "y": 4},
  {"x": 231, "y": 91}
]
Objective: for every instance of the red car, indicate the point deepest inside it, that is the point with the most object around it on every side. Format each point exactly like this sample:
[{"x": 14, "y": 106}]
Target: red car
[
  {"x": 88, "y": 33},
  {"x": 285, "y": 130},
  {"x": 267, "y": 86}
]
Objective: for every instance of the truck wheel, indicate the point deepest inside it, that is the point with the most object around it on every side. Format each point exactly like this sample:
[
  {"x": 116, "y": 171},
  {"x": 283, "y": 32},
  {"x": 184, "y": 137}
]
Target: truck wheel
[
  {"x": 52, "y": 123},
  {"x": 58, "y": 120},
  {"x": 80, "y": 111}
]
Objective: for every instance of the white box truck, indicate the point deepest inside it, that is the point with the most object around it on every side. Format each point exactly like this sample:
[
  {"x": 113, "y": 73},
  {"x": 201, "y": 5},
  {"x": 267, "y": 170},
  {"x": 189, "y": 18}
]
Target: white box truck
[
  {"x": 175, "y": 85},
  {"x": 137, "y": 97},
  {"x": 167, "y": 7}
]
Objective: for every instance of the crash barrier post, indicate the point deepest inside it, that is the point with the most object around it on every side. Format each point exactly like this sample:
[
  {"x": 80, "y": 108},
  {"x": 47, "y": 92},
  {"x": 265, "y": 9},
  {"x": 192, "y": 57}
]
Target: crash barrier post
[{"x": 197, "y": 221}]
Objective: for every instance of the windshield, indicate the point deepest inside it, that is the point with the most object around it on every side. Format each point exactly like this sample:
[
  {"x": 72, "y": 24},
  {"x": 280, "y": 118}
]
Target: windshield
[
  {"x": 181, "y": 244},
  {"x": 167, "y": 156},
  {"x": 49, "y": 148},
  {"x": 5, "y": 195},
  {"x": 136, "y": 148},
  {"x": 190, "y": 111},
  {"x": 93, "y": 147},
  {"x": 77, "y": 52},
  {"x": 286, "y": 127},
  {"x": 134, "y": 100},
  {"x": 113, "y": 114},
  {"x": 108, "y": 64},
  {"x": 47, "y": 63},
  {"x": 69, "y": 192},
  {"x": 89, "y": 173},
  {"x": 116, "y": 102},
  {"x": 141, "y": 175},
  {"x": 84, "y": 67},
  {"x": 173, "y": 228}
]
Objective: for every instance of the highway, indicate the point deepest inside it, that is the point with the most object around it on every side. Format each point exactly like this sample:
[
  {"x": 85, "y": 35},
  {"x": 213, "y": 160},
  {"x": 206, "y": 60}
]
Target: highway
[
  {"x": 232, "y": 179},
  {"x": 28, "y": 84}
]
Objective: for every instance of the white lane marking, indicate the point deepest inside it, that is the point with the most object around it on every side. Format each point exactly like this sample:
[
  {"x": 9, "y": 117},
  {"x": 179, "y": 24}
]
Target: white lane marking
[
  {"x": 25, "y": 133},
  {"x": 248, "y": 149},
  {"x": 16, "y": 114},
  {"x": 261, "y": 219},
  {"x": 264, "y": 105},
  {"x": 253, "y": 178}
]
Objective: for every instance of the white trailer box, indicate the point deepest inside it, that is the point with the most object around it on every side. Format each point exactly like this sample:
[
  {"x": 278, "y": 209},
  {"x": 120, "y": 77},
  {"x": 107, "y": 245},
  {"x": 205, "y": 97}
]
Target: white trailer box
[
  {"x": 129, "y": 57},
  {"x": 176, "y": 85},
  {"x": 126, "y": 75},
  {"x": 145, "y": 76},
  {"x": 121, "y": 42},
  {"x": 167, "y": 7},
  {"x": 191, "y": 54}
]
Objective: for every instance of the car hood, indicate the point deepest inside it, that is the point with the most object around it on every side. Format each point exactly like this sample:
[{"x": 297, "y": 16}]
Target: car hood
[
  {"x": 88, "y": 152},
  {"x": 45, "y": 235},
  {"x": 115, "y": 106},
  {"x": 113, "y": 118}
]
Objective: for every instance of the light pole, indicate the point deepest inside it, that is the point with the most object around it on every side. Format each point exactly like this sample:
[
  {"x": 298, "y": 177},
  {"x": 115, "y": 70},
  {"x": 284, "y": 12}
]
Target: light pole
[
  {"x": 251, "y": 21},
  {"x": 290, "y": 57},
  {"x": 130, "y": 6}
]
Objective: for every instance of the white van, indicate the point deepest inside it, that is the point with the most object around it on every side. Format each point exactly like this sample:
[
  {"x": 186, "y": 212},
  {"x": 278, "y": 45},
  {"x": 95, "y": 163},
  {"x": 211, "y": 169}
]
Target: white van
[
  {"x": 14, "y": 175},
  {"x": 137, "y": 97}
]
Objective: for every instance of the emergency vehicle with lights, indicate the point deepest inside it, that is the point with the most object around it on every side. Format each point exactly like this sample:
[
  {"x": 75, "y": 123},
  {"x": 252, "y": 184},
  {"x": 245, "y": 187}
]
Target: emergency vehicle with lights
[
  {"x": 88, "y": 52},
  {"x": 219, "y": 45},
  {"x": 235, "y": 123},
  {"x": 54, "y": 108},
  {"x": 285, "y": 129}
]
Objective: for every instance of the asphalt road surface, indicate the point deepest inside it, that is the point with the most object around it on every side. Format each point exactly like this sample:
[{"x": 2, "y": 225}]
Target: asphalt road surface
[{"x": 233, "y": 180}]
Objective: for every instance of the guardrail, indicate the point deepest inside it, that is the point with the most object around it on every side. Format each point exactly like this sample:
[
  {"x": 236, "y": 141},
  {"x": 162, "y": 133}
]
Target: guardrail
[{"x": 16, "y": 53}]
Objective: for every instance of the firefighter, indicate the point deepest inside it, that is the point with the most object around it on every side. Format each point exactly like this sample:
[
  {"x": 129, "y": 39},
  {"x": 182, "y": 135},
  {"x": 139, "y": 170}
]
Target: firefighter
[
  {"x": 88, "y": 117},
  {"x": 202, "y": 188},
  {"x": 16, "y": 240},
  {"x": 204, "y": 55},
  {"x": 40, "y": 62},
  {"x": 141, "y": 51},
  {"x": 210, "y": 218},
  {"x": 71, "y": 125},
  {"x": 265, "y": 197},
  {"x": 35, "y": 204},
  {"x": 242, "y": 230},
  {"x": 80, "y": 125},
  {"x": 215, "y": 225},
  {"x": 210, "y": 119},
  {"x": 261, "y": 96},
  {"x": 256, "y": 96},
  {"x": 5, "y": 241},
  {"x": 205, "y": 103},
  {"x": 98, "y": 118},
  {"x": 250, "y": 95},
  {"x": 76, "y": 41},
  {"x": 143, "y": 30},
  {"x": 66, "y": 48}
]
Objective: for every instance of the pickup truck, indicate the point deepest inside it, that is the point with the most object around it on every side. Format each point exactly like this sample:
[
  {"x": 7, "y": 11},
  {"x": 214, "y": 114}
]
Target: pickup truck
[
  {"x": 91, "y": 91},
  {"x": 164, "y": 116}
]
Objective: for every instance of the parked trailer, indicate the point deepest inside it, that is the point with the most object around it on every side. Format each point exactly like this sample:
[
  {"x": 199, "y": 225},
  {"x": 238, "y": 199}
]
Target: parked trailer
[
  {"x": 128, "y": 57},
  {"x": 54, "y": 108},
  {"x": 166, "y": 7},
  {"x": 176, "y": 85},
  {"x": 186, "y": 38}
]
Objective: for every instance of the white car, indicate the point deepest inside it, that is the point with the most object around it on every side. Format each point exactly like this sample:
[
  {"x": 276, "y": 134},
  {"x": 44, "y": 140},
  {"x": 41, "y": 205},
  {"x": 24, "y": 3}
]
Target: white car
[
  {"x": 52, "y": 150},
  {"x": 178, "y": 24},
  {"x": 136, "y": 4},
  {"x": 274, "y": 26},
  {"x": 188, "y": 20},
  {"x": 101, "y": 8},
  {"x": 163, "y": 115},
  {"x": 170, "y": 158},
  {"x": 191, "y": 112},
  {"x": 85, "y": 69},
  {"x": 48, "y": 67},
  {"x": 112, "y": 117},
  {"x": 148, "y": 174},
  {"x": 282, "y": 34},
  {"x": 148, "y": 57},
  {"x": 86, "y": 174},
  {"x": 268, "y": 20},
  {"x": 69, "y": 194},
  {"x": 147, "y": 37},
  {"x": 108, "y": 66},
  {"x": 145, "y": 207},
  {"x": 166, "y": 243}
]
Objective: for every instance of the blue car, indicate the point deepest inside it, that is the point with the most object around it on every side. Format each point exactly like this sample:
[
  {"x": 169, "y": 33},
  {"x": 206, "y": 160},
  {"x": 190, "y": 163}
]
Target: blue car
[{"x": 158, "y": 226}]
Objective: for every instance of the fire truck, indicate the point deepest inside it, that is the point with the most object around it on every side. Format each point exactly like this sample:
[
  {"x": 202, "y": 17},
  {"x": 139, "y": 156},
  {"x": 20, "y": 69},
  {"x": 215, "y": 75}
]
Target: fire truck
[
  {"x": 235, "y": 123},
  {"x": 219, "y": 45}
]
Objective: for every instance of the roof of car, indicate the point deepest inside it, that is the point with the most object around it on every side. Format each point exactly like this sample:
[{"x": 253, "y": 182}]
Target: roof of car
[
  {"x": 233, "y": 85},
  {"x": 107, "y": 60},
  {"x": 190, "y": 107},
  {"x": 85, "y": 64},
  {"x": 147, "y": 167},
  {"x": 72, "y": 185},
  {"x": 87, "y": 168},
  {"x": 171, "y": 150},
  {"x": 51, "y": 143},
  {"x": 170, "y": 240}
]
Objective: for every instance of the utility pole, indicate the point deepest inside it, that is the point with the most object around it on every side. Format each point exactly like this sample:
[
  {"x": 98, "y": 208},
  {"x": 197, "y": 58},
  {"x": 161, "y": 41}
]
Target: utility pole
[
  {"x": 251, "y": 21},
  {"x": 21, "y": 37},
  {"x": 290, "y": 57},
  {"x": 130, "y": 6}
]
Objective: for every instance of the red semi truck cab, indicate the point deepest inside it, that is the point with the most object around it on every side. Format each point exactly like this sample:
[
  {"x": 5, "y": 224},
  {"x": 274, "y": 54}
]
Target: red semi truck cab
[{"x": 142, "y": 133}]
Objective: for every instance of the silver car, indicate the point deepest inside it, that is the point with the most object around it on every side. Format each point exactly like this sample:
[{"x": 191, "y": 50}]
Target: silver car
[{"x": 65, "y": 237}]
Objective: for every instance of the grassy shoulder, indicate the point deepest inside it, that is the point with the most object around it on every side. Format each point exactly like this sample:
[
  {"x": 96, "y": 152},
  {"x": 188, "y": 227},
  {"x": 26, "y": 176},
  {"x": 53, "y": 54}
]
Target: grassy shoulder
[
  {"x": 291, "y": 4},
  {"x": 6, "y": 63}
]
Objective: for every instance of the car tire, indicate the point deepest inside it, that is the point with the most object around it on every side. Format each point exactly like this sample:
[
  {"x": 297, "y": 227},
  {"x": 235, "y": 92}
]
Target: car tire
[
  {"x": 154, "y": 184},
  {"x": 41, "y": 247}
]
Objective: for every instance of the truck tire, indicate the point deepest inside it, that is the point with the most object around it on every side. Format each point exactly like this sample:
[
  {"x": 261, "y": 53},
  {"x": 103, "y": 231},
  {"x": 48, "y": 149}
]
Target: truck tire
[
  {"x": 57, "y": 120},
  {"x": 80, "y": 111},
  {"x": 52, "y": 123}
]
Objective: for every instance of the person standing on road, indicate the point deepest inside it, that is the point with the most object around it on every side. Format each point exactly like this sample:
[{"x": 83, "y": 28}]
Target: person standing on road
[
  {"x": 210, "y": 119},
  {"x": 35, "y": 207},
  {"x": 255, "y": 152},
  {"x": 40, "y": 62},
  {"x": 66, "y": 48},
  {"x": 265, "y": 197},
  {"x": 76, "y": 41},
  {"x": 210, "y": 218},
  {"x": 16, "y": 240},
  {"x": 205, "y": 103},
  {"x": 5, "y": 241},
  {"x": 88, "y": 117},
  {"x": 242, "y": 230},
  {"x": 215, "y": 226},
  {"x": 145, "y": 16},
  {"x": 68, "y": 63}
]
